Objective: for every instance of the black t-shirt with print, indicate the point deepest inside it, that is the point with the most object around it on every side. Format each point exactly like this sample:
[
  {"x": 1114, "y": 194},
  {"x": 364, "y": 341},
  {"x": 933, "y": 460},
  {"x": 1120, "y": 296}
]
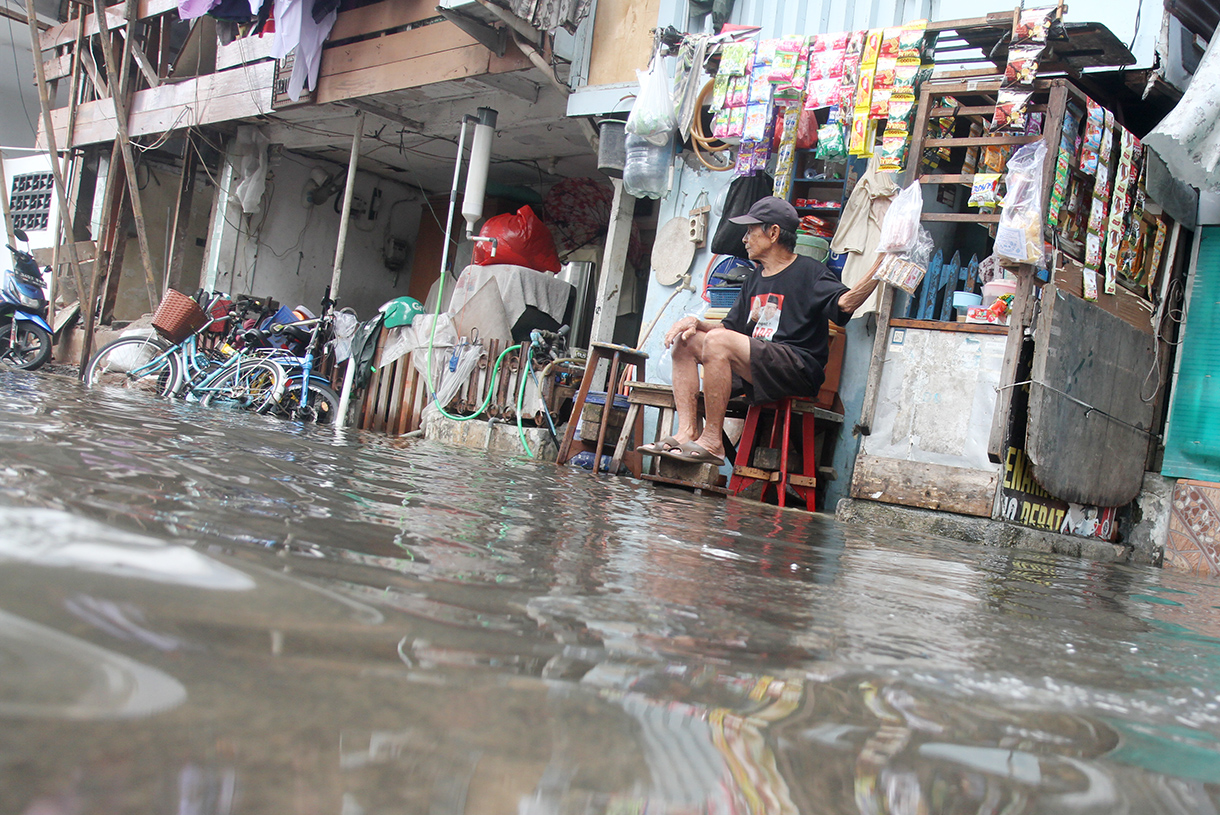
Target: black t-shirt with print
[{"x": 792, "y": 307}]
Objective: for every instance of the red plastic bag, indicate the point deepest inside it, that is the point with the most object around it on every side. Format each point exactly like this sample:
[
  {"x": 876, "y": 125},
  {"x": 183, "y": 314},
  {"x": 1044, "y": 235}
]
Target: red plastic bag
[
  {"x": 807, "y": 130},
  {"x": 521, "y": 240}
]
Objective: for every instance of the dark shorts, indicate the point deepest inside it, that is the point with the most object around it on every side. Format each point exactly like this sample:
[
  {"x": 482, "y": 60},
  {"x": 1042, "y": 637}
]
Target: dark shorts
[{"x": 777, "y": 370}]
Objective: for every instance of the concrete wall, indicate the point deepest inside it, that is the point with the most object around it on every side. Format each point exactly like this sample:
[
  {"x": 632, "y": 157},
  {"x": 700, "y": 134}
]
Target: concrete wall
[
  {"x": 287, "y": 252},
  {"x": 20, "y": 120}
]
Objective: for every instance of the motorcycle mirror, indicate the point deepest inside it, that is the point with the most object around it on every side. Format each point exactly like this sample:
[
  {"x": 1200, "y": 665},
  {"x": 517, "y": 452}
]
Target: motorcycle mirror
[{"x": 20, "y": 235}]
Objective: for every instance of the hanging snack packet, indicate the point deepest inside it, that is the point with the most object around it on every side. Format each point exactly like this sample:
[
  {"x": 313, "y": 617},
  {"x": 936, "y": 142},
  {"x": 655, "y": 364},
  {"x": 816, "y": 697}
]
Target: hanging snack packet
[
  {"x": 893, "y": 152},
  {"x": 905, "y": 75},
  {"x": 783, "y": 65},
  {"x": 830, "y": 141},
  {"x": 736, "y": 58},
  {"x": 879, "y": 107},
  {"x": 883, "y": 77},
  {"x": 1010, "y": 110},
  {"x": 757, "y": 118},
  {"x": 1022, "y": 68},
  {"x": 1034, "y": 24},
  {"x": 911, "y": 40},
  {"x": 872, "y": 46},
  {"x": 745, "y": 159},
  {"x": 1095, "y": 120},
  {"x": 901, "y": 114},
  {"x": 1090, "y": 285},
  {"x": 720, "y": 91},
  {"x": 985, "y": 189}
]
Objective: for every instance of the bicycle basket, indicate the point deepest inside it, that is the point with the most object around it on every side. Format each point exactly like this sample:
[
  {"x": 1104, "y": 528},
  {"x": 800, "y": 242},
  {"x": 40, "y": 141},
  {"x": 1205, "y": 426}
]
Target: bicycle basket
[{"x": 178, "y": 316}]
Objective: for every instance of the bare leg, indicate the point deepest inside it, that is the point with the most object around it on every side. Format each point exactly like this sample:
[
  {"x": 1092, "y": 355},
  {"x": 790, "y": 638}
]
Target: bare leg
[
  {"x": 686, "y": 386},
  {"x": 723, "y": 354}
]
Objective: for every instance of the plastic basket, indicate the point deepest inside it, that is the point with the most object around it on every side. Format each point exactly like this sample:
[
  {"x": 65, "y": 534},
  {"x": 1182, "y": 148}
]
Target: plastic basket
[
  {"x": 723, "y": 296},
  {"x": 178, "y": 316}
]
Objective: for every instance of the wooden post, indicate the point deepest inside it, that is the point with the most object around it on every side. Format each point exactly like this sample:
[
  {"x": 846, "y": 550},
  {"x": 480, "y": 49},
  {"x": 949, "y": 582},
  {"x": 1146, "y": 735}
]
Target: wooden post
[
  {"x": 8, "y": 213},
  {"x": 44, "y": 101},
  {"x": 120, "y": 113},
  {"x": 614, "y": 259},
  {"x": 346, "y": 217},
  {"x": 73, "y": 93},
  {"x": 345, "y": 396},
  {"x": 181, "y": 217}
]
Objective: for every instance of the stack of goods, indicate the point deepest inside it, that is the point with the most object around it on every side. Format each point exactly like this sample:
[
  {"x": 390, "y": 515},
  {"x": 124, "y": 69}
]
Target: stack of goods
[
  {"x": 812, "y": 225},
  {"x": 1095, "y": 160},
  {"x": 867, "y": 79},
  {"x": 1125, "y": 179}
]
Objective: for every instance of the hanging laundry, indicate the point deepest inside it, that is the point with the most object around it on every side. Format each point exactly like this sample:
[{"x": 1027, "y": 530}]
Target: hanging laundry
[
  {"x": 190, "y": 9},
  {"x": 296, "y": 30}
]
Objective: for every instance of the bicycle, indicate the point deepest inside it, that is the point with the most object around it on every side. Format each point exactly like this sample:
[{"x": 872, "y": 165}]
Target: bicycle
[
  {"x": 306, "y": 396},
  {"x": 247, "y": 378}
]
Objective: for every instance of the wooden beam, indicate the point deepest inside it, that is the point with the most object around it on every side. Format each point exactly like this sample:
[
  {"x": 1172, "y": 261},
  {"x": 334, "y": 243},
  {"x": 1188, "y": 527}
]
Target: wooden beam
[
  {"x": 378, "y": 17},
  {"x": 99, "y": 84},
  {"x": 120, "y": 109},
  {"x": 235, "y": 94},
  {"x": 920, "y": 484},
  {"x": 60, "y": 188},
  {"x": 1019, "y": 317},
  {"x": 413, "y": 72},
  {"x": 115, "y": 18},
  {"x": 145, "y": 66}
]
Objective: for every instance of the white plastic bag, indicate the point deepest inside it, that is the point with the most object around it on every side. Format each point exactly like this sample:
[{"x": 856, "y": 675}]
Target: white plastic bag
[
  {"x": 901, "y": 225},
  {"x": 1019, "y": 234},
  {"x": 652, "y": 114},
  {"x": 906, "y": 270}
]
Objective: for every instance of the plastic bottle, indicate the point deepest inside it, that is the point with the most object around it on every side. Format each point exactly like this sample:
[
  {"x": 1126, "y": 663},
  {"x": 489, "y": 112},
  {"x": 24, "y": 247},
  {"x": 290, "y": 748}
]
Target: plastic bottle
[{"x": 646, "y": 170}]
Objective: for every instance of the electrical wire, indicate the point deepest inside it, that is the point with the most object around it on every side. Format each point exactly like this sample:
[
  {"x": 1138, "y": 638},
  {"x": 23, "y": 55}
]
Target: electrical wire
[{"x": 17, "y": 67}]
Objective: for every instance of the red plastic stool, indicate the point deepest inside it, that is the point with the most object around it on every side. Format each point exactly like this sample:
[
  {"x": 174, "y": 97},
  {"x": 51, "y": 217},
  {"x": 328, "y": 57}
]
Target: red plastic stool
[{"x": 804, "y": 482}]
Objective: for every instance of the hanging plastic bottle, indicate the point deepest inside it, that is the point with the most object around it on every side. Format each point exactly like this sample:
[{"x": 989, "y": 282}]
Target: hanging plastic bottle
[{"x": 646, "y": 170}]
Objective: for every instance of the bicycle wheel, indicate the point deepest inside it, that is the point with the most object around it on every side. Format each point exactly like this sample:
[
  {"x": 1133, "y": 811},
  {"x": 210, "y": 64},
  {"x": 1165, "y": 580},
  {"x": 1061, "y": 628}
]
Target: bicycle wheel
[
  {"x": 251, "y": 384},
  {"x": 32, "y": 348},
  {"x": 137, "y": 363},
  {"x": 321, "y": 405}
]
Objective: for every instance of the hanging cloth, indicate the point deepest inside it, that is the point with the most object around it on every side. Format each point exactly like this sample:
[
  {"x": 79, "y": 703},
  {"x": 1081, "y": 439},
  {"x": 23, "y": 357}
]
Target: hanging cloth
[
  {"x": 860, "y": 227},
  {"x": 297, "y": 31},
  {"x": 190, "y": 9}
]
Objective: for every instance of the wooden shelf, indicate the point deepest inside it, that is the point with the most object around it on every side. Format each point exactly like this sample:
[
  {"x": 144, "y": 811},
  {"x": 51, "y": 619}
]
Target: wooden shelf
[{"x": 820, "y": 209}]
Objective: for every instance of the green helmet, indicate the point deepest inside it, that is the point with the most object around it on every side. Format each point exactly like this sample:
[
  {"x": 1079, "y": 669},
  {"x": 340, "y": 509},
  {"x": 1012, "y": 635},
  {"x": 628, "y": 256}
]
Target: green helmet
[{"x": 401, "y": 311}]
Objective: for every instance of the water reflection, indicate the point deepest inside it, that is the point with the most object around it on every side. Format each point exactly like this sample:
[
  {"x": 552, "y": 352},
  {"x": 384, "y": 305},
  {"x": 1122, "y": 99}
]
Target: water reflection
[{"x": 289, "y": 620}]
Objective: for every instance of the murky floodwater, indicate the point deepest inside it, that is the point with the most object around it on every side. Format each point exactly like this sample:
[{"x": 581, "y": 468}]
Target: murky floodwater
[{"x": 211, "y": 613}]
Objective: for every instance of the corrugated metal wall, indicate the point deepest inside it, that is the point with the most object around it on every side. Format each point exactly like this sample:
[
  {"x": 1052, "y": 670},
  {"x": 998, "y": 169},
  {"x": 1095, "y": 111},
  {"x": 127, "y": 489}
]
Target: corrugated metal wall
[{"x": 816, "y": 16}]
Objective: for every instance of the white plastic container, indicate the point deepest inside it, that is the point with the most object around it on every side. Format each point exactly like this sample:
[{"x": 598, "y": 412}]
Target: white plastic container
[
  {"x": 995, "y": 288},
  {"x": 646, "y": 169}
]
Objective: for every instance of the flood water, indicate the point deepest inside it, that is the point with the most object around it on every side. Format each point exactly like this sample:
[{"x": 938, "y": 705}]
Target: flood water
[{"x": 211, "y": 613}]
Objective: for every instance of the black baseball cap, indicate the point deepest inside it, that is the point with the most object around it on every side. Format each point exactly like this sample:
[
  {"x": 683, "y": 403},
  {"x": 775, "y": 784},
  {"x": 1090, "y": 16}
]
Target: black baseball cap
[{"x": 770, "y": 210}]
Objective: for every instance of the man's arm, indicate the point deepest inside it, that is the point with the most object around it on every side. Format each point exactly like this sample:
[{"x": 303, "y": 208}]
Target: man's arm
[{"x": 854, "y": 297}]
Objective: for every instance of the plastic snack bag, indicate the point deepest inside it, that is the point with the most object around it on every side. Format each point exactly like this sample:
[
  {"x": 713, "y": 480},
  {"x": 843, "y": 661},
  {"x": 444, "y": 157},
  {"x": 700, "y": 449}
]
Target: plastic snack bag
[
  {"x": 901, "y": 224},
  {"x": 984, "y": 191},
  {"x": 906, "y": 270},
  {"x": 1019, "y": 234}
]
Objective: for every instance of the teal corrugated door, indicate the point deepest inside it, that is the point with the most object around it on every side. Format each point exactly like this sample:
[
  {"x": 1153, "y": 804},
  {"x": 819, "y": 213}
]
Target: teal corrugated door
[{"x": 1192, "y": 442}]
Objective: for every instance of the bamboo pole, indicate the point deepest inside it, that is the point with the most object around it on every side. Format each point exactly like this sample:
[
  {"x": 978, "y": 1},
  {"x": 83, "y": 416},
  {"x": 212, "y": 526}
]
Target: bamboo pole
[
  {"x": 120, "y": 113},
  {"x": 349, "y": 374},
  {"x": 68, "y": 162},
  {"x": 346, "y": 217},
  {"x": 44, "y": 101},
  {"x": 4, "y": 204}
]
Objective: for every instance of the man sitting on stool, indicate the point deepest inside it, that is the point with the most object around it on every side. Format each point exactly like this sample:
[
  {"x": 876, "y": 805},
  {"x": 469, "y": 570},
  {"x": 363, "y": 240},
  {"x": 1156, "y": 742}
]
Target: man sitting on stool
[{"x": 772, "y": 344}]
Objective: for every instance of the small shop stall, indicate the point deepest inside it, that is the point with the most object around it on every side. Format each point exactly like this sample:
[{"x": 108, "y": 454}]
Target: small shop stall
[{"x": 1021, "y": 373}]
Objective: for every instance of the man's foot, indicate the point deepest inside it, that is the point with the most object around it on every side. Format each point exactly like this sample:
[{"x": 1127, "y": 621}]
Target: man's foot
[{"x": 694, "y": 453}]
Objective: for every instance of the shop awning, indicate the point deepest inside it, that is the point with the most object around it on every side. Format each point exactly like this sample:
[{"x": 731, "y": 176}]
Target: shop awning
[{"x": 1188, "y": 139}]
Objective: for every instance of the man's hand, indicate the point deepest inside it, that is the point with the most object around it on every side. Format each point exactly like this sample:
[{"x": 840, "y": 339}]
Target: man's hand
[{"x": 684, "y": 329}]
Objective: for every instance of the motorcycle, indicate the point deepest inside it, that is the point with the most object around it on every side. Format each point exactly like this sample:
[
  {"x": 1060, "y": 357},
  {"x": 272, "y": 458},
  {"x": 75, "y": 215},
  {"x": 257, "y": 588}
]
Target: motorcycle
[{"x": 25, "y": 336}]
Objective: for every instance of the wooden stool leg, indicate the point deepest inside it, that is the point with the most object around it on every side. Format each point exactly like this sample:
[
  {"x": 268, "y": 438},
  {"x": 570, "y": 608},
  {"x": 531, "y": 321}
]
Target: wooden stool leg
[
  {"x": 781, "y": 485},
  {"x": 565, "y": 449},
  {"x": 809, "y": 460},
  {"x": 633, "y": 410}
]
